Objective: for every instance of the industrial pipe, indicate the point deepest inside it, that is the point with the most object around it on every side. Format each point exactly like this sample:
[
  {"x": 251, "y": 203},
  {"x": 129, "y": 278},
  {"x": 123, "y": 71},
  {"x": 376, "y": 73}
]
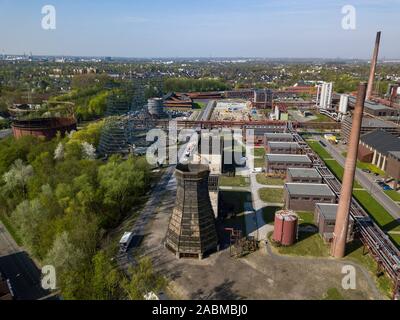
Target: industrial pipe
[{"x": 338, "y": 248}]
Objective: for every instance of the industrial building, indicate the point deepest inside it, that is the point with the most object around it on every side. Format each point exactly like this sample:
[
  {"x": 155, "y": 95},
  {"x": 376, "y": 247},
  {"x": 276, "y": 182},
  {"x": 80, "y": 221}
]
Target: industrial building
[
  {"x": 43, "y": 127},
  {"x": 240, "y": 94},
  {"x": 191, "y": 231},
  {"x": 259, "y": 132},
  {"x": 303, "y": 175},
  {"x": 375, "y": 146},
  {"x": 368, "y": 124},
  {"x": 277, "y": 137},
  {"x": 279, "y": 163},
  {"x": 304, "y": 196},
  {"x": 325, "y": 219},
  {"x": 344, "y": 103},
  {"x": 281, "y": 113},
  {"x": 375, "y": 109},
  {"x": 178, "y": 101},
  {"x": 262, "y": 98},
  {"x": 393, "y": 167},
  {"x": 283, "y": 148}
]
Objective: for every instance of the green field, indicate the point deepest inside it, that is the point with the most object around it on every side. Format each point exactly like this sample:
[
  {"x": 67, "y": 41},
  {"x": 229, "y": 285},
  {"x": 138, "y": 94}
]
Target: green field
[
  {"x": 271, "y": 195},
  {"x": 321, "y": 118},
  {"x": 332, "y": 164},
  {"x": 259, "y": 163},
  {"x": 394, "y": 195},
  {"x": 263, "y": 179},
  {"x": 308, "y": 244},
  {"x": 375, "y": 209},
  {"x": 316, "y": 146},
  {"x": 305, "y": 217},
  {"x": 259, "y": 152},
  {"x": 237, "y": 181}
]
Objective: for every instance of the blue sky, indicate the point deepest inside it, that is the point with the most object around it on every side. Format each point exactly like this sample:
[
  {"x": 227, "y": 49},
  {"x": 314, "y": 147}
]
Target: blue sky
[{"x": 201, "y": 28}]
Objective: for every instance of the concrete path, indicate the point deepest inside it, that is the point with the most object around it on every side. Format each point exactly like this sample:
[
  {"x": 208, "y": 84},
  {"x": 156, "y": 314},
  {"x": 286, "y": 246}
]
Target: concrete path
[{"x": 258, "y": 205}]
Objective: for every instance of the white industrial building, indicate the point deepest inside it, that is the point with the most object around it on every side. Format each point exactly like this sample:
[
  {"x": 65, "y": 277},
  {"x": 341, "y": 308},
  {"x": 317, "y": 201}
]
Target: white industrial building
[
  {"x": 324, "y": 95},
  {"x": 344, "y": 103}
]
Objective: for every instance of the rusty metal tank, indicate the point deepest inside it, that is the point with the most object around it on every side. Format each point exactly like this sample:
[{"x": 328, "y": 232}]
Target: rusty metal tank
[{"x": 285, "y": 229}]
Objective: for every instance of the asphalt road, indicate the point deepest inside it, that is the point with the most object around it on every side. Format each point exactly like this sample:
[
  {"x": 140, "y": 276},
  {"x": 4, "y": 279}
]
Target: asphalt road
[
  {"x": 18, "y": 267},
  {"x": 367, "y": 182},
  {"x": 138, "y": 230}
]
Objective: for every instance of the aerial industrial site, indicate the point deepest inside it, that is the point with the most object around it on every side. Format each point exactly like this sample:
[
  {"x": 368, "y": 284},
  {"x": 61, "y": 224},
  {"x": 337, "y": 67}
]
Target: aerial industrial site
[{"x": 200, "y": 178}]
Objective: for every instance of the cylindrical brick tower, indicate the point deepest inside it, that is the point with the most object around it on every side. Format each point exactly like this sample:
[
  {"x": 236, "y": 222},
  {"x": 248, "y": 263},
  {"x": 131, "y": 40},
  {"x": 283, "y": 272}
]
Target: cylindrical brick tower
[
  {"x": 192, "y": 231},
  {"x": 338, "y": 248}
]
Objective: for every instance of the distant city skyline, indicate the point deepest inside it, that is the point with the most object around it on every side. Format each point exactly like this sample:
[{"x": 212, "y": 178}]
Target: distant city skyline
[{"x": 220, "y": 28}]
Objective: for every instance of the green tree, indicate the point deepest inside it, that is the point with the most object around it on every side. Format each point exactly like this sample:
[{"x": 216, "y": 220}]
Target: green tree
[
  {"x": 143, "y": 280},
  {"x": 106, "y": 278}
]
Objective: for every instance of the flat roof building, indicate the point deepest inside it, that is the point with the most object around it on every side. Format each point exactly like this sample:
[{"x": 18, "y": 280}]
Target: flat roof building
[
  {"x": 376, "y": 109},
  {"x": 279, "y": 163},
  {"x": 368, "y": 124},
  {"x": 275, "y": 147},
  {"x": 304, "y": 196},
  {"x": 325, "y": 219},
  {"x": 278, "y": 137},
  {"x": 303, "y": 175}
]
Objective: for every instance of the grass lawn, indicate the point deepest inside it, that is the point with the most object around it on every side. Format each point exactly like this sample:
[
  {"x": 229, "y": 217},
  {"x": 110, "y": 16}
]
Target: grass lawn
[
  {"x": 316, "y": 146},
  {"x": 199, "y": 105},
  {"x": 338, "y": 171},
  {"x": 333, "y": 294},
  {"x": 237, "y": 181},
  {"x": 308, "y": 244},
  {"x": 259, "y": 152},
  {"x": 271, "y": 195},
  {"x": 269, "y": 214},
  {"x": 321, "y": 118},
  {"x": 263, "y": 179},
  {"x": 305, "y": 217},
  {"x": 380, "y": 215},
  {"x": 383, "y": 282},
  {"x": 394, "y": 195},
  {"x": 259, "y": 162}
]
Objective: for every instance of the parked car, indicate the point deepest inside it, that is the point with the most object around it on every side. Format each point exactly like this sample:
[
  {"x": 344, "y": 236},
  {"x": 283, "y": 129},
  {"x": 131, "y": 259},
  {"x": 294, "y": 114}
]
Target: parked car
[
  {"x": 322, "y": 143},
  {"x": 387, "y": 188},
  {"x": 366, "y": 170},
  {"x": 376, "y": 174}
]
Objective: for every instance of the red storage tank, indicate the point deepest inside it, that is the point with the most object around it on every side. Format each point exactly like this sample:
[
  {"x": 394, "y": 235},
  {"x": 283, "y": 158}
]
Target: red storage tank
[{"x": 285, "y": 229}]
